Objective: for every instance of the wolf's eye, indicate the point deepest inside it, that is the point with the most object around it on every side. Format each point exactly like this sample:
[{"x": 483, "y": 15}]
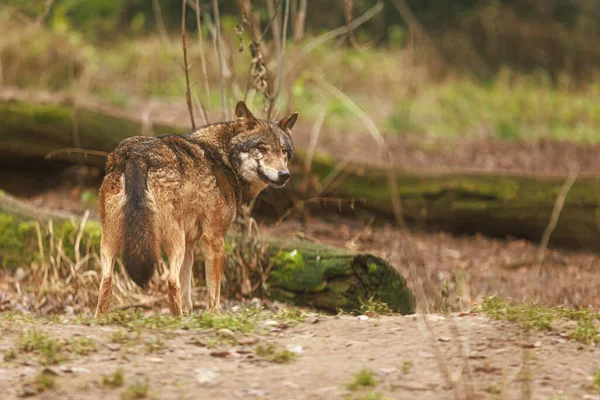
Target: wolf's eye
[
  {"x": 262, "y": 148},
  {"x": 284, "y": 152}
]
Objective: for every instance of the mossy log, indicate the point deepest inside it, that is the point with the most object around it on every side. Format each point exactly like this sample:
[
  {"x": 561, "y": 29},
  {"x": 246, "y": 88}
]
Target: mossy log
[
  {"x": 493, "y": 205},
  {"x": 302, "y": 273}
]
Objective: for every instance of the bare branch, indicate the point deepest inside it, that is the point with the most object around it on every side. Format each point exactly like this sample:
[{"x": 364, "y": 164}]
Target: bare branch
[
  {"x": 202, "y": 56},
  {"x": 275, "y": 27},
  {"x": 348, "y": 6},
  {"x": 342, "y": 30},
  {"x": 160, "y": 24},
  {"x": 45, "y": 13},
  {"x": 188, "y": 97},
  {"x": 215, "y": 5},
  {"x": 280, "y": 71},
  {"x": 558, "y": 205},
  {"x": 300, "y": 21}
]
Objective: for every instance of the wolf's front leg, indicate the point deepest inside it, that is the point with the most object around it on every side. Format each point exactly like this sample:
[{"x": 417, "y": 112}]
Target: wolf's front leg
[{"x": 214, "y": 254}]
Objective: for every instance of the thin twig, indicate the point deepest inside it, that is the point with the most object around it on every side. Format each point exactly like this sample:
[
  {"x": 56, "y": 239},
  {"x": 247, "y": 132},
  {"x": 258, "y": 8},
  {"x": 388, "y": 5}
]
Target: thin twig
[
  {"x": 45, "y": 13},
  {"x": 188, "y": 97},
  {"x": 274, "y": 16},
  {"x": 352, "y": 106},
  {"x": 70, "y": 150},
  {"x": 215, "y": 5},
  {"x": 160, "y": 24},
  {"x": 342, "y": 30},
  {"x": 348, "y": 6},
  {"x": 300, "y": 21},
  {"x": 558, "y": 205},
  {"x": 336, "y": 200},
  {"x": 202, "y": 58},
  {"x": 280, "y": 71},
  {"x": 312, "y": 145}
]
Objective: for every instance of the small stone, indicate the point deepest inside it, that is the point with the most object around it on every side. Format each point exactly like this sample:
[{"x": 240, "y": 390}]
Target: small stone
[
  {"x": 435, "y": 318},
  {"x": 248, "y": 341},
  {"x": 20, "y": 274},
  {"x": 362, "y": 317},
  {"x": 290, "y": 385},
  {"x": 28, "y": 390},
  {"x": 295, "y": 348},
  {"x": 226, "y": 333},
  {"x": 113, "y": 346},
  {"x": 51, "y": 371},
  {"x": 155, "y": 359},
  {"x": 69, "y": 369},
  {"x": 444, "y": 339},
  {"x": 220, "y": 353},
  {"x": 254, "y": 392},
  {"x": 207, "y": 376}
]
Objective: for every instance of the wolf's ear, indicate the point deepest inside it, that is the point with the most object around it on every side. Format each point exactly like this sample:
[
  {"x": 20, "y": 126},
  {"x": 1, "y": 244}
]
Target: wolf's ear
[
  {"x": 243, "y": 116},
  {"x": 287, "y": 123}
]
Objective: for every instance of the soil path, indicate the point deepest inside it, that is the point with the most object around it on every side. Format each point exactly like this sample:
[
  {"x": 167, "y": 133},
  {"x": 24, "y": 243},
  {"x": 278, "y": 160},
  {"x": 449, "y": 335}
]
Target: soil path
[{"x": 476, "y": 354}]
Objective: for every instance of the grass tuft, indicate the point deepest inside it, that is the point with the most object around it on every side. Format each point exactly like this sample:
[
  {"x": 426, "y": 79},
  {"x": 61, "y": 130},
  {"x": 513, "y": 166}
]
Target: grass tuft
[
  {"x": 406, "y": 367},
  {"x": 364, "y": 378},
  {"x": 373, "y": 308},
  {"x": 273, "y": 353},
  {"x": 44, "y": 382},
  {"x": 533, "y": 316},
  {"x": 117, "y": 379},
  {"x": 137, "y": 390},
  {"x": 50, "y": 351}
]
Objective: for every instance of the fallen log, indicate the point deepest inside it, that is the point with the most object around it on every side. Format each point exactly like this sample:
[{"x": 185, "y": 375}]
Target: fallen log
[
  {"x": 493, "y": 205},
  {"x": 301, "y": 273}
]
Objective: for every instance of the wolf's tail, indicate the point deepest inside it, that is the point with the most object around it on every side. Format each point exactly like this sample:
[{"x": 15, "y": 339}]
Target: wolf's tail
[{"x": 140, "y": 248}]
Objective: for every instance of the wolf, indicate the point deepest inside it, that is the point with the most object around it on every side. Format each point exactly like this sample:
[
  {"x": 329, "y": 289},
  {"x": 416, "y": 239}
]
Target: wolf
[{"x": 171, "y": 191}]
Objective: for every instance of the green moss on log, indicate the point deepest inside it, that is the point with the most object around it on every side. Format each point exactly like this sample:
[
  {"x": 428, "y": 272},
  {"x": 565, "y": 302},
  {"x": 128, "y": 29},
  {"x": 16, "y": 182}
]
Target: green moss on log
[
  {"x": 32, "y": 130},
  {"x": 332, "y": 279}
]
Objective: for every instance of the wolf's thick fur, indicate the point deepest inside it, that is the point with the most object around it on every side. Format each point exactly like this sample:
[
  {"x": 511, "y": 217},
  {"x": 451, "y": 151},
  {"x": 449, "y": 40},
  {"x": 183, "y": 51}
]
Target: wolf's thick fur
[{"x": 172, "y": 190}]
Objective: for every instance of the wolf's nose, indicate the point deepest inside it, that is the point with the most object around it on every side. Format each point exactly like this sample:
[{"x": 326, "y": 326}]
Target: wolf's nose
[{"x": 284, "y": 175}]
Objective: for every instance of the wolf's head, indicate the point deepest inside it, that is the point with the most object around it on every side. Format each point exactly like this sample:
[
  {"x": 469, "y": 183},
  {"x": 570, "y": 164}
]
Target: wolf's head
[{"x": 260, "y": 150}]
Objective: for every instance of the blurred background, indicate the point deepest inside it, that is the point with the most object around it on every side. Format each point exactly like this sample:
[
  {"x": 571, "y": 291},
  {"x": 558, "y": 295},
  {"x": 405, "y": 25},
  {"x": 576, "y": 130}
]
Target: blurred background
[{"x": 457, "y": 139}]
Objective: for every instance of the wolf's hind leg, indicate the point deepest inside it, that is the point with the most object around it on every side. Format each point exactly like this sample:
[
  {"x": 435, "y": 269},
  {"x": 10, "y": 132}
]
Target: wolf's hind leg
[
  {"x": 175, "y": 249},
  {"x": 108, "y": 252},
  {"x": 185, "y": 279},
  {"x": 214, "y": 254}
]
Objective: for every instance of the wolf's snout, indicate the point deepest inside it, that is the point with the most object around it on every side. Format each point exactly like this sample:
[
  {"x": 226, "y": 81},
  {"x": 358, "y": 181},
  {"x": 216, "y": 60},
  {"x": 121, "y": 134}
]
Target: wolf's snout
[{"x": 284, "y": 175}]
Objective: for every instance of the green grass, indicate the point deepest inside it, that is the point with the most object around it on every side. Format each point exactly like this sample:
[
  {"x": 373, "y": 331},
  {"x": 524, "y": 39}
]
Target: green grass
[
  {"x": 82, "y": 346},
  {"x": 44, "y": 382},
  {"x": 510, "y": 107},
  {"x": 596, "y": 380},
  {"x": 154, "y": 345},
  {"x": 116, "y": 379},
  {"x": 534, "y": 316},
  {"x": 406, "y": 367},
  {"x": 363, "y": 379},
  {"x": 50, "y": 351},
  {"x": 137, "y": 390},
  {"x": 373, "y": 308},
  {"x": 271, "y": 352}
]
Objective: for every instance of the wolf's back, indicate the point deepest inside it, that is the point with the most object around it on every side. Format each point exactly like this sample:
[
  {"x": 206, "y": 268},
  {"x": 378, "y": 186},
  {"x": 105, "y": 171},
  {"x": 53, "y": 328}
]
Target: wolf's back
[{"x": 141, "y": 249}]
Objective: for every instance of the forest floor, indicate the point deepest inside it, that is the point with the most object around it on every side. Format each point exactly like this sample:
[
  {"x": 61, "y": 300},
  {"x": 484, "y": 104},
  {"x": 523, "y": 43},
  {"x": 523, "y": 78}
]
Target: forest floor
[{"x": 281, "y": 355}]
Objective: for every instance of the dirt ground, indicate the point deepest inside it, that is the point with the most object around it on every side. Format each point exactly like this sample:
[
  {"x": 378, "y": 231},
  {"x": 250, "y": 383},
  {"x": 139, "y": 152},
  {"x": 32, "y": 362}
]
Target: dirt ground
[{"x": 445, "y": 358}]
